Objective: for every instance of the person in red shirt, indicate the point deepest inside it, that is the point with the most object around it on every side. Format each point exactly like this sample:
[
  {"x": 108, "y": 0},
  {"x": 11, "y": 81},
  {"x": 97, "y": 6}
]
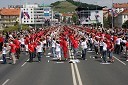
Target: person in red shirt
[
  {"x": 1, "y": 41},
  {"x": 13, "y": 52},
  {"x": 31, "y": 51},
  {"x": 75, "y": 46},
  {"x": 110, "y": 48},
  {"x": 127, "y": 50},
  {"x": 17, "y": 43},
  {"x": 65, "y": 48}
]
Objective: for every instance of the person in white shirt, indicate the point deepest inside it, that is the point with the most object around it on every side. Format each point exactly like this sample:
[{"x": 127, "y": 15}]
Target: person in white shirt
[
  {"x": 22, "y": 43},
  {"x": 4, "y": 52},
  {"x": 104, "y": 52},
  {"x": 53, "y": 47},
  {"x": 58, "y": 50},
  {"x": 118, "y": 45},
  {"x": 39, "y": 51},
  {"x": 96, "y": 45},
  {"x": 101, "y": 46},
  {"x": 84, "y": 48}
]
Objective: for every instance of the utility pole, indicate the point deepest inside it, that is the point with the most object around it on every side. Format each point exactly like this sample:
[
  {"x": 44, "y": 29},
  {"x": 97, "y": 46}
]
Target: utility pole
[{"x": 112, "y": 16}]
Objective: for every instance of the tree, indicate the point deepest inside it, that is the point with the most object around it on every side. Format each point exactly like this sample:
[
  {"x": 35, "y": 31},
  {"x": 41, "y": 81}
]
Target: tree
[
  {"x": 64, "y": 19},
  {"x": 74, "y": 18},
  {"x": 125, "y": 24}
]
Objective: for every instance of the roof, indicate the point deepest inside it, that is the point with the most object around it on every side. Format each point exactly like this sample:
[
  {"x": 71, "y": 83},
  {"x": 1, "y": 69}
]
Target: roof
[
  {"x": 123, "y": 12},
  {"x": 10, "y": 11},
  {"x": 65, "y": 14},
  {"x": 120, "y": 5}
]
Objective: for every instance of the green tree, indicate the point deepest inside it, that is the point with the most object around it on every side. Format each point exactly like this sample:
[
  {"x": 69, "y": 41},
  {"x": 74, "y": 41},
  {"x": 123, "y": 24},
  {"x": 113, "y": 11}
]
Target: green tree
[
  {"x": 75, "y": 18},
  {"x": 64, "y": 19},
  {"x": 125, "y": 24}
]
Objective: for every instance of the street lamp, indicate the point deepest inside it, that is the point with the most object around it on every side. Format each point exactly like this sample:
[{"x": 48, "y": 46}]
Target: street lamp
[
  {"x": 88, "y": 16},
  {"x": 112, "y": 15},
  {"x": 96, "y": 13}
]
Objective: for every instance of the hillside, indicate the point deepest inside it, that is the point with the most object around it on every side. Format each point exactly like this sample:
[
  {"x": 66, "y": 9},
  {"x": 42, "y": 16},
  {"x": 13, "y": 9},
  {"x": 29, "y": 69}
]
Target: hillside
[
  {"x": 70, "y": 6},
  {"x": 63, "y": 6}
]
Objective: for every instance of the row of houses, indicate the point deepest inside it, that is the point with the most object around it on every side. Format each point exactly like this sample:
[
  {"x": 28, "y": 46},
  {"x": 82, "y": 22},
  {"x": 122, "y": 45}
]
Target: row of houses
[
  {"x": 31, "y": 14},
  {"x": 9, "y": 16},
  {"x": 34, "y": 14}
]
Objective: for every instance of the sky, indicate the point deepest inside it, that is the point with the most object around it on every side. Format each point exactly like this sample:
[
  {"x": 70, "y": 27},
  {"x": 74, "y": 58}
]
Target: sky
[{"x": 108, "y": 3}]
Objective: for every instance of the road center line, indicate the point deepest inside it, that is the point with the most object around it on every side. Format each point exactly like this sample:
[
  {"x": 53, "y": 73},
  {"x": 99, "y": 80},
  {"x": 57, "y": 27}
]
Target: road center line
[
  {"x": 73, "y": 75},
  {"x": 6, "y": 82},
  {"x": 120, "y": 61},
  {"x": 78, "y": 74},
  {"x": 73, "y": 71}
]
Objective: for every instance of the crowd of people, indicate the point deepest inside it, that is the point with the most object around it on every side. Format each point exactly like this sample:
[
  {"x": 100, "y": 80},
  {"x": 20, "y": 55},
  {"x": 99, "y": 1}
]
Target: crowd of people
[{"x": 36, "y": 42}]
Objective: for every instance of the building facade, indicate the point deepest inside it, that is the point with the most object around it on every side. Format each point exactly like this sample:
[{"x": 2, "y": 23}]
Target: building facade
[
  {"x": 120, "y": 7},
  {"x": 121, "y": 18},
  {"x": 9, "y": 17},
  {"x": 35, "y": 14},
  {"x": 0, "y": 20},
  {"x": 90, "y": 16}
]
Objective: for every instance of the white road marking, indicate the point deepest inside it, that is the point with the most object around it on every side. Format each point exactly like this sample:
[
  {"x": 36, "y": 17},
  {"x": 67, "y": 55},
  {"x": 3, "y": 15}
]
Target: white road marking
[
  {"x": 6, "y": 82},
  {"x": 73, "y": 74},
  {"x": 24, "y": 63},
  {"x": 48, "y": 60},
  {"x": 59, "y": 62},
  {"x": 78, "y": 74},
  {"x": 105, "y": 63},
  {"x": 73, "y": 71},
  {"x": 90, "y": 51},
  {"x": 1, "y": 60},
  {"x": 120, "y": 61},
  {"x": 73, "y": 68},
  {"x": 47, "y": 56}
]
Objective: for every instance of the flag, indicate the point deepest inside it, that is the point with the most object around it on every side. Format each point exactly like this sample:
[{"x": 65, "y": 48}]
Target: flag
[
  {"x": 27, "y": 15},
  {"x": 113, "y": 12},
  {"x": 22, "y": 15},
  {"x": 97, "y": 16}
]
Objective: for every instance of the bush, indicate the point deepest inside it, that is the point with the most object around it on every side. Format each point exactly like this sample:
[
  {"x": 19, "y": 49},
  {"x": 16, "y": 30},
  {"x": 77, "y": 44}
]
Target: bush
[{"x": 16, "y": 28}]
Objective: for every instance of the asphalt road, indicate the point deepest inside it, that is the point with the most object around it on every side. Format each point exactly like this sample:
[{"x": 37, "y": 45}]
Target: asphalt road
[{"x": 51, "y": 72}]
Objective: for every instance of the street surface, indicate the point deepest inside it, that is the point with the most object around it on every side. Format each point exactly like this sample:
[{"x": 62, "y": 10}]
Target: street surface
[{"x": 52, "y": 72}]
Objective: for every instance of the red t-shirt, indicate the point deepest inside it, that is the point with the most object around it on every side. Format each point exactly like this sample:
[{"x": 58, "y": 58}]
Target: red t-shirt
[
  {"x": 1, "y": 39},
  {"x": 127, "y": 45},
  {"x": 31, "y": 48},
  {"x": 26, "y": 40},
  {"x": 13, "y": 48},
  {"x": 75, "y": 43},
  {"x": 17, "y": 43}
]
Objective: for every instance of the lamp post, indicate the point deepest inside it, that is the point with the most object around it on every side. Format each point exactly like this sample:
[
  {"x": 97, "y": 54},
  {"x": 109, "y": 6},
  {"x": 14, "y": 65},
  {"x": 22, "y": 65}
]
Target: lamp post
[
  {"x": 96, "y": 14},
  {"x": 88, "y": 16},
  {"x": 112, "y": 16}
]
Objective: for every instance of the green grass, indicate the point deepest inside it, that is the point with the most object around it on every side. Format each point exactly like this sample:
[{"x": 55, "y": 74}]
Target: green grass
[{"x": 64, "y": 7}]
